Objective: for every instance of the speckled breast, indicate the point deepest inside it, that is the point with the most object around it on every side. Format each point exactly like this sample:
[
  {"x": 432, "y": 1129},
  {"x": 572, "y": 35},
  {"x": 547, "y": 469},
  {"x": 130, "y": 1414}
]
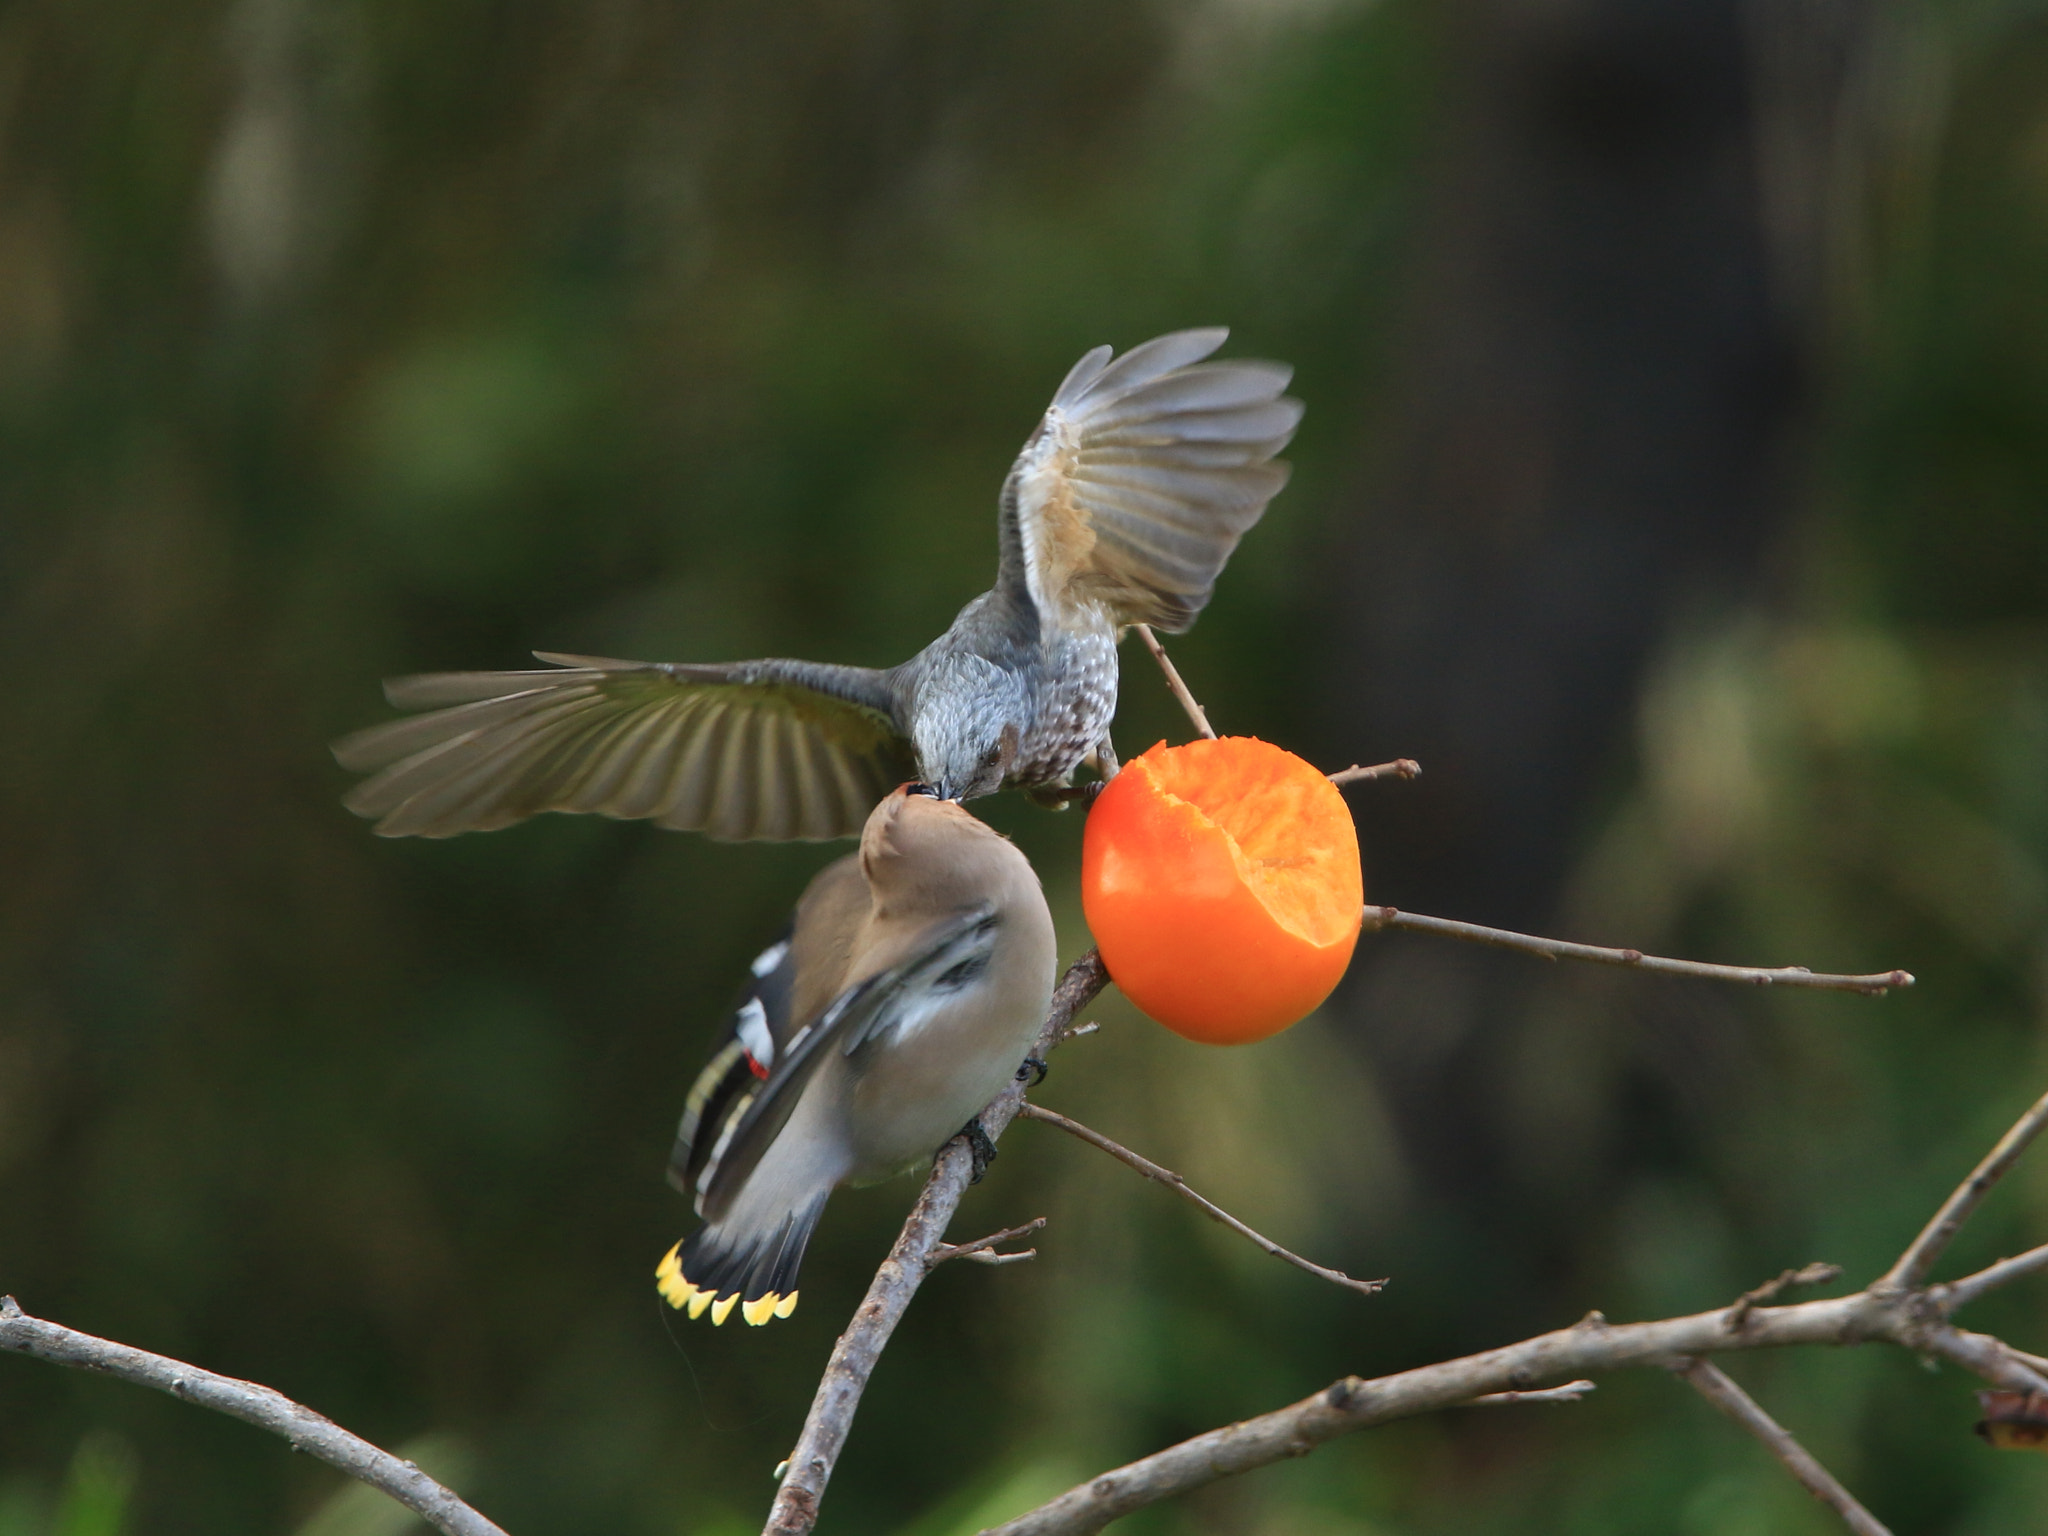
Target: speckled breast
[{"x": 1073, "y": 692}]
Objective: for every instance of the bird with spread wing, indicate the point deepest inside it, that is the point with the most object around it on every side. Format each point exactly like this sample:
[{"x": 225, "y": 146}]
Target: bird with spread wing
[{"x": 1122, "y": 508}]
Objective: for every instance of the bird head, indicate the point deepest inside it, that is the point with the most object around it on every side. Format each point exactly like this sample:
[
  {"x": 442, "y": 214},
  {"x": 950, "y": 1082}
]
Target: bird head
[
  {"x": 965, "y": 744},
  {"x": 921, "y": 850}
]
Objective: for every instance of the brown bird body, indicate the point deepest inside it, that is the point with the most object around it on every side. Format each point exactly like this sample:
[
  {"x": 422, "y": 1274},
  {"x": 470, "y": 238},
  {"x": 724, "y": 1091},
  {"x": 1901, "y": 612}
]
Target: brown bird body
[{"x": 913, "y": 981}]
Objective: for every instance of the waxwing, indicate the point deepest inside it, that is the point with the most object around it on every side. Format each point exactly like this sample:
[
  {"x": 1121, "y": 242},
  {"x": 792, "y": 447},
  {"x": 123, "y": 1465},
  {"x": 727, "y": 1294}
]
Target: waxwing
[{"x": 909, "y": 989}]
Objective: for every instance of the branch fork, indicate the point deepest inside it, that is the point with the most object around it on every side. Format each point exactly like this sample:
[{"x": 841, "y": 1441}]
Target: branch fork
[
  {"x": 983, "y": 1249},
  {"x": 1912, "y": 1316}
]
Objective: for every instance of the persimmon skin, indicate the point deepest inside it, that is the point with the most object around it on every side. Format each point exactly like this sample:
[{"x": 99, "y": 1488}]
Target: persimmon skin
[{"x": 1174, "y": 899}]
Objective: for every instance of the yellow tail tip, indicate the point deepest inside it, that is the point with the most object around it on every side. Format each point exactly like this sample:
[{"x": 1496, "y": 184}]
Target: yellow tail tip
[
  {"x": 698, "y": 1303},
  {"x": 786, "y": 1306},
  {"x": 722, "y": 1309},
  {"x": 760, "y": 1309},
  {"x": 668, "y": 1279}
]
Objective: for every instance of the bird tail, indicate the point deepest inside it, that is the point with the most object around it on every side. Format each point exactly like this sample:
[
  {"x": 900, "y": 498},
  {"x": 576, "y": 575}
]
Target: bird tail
[{"x": 723, "y": 1265}]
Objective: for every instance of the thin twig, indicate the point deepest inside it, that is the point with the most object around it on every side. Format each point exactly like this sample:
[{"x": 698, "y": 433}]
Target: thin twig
[
  {"x": 982, "y": 1249},
  {"x": 853, "y": 1359},
  {"x": 1713, "y": 1384},
  {"x": 2032, "y": 1362},
  {"x": 1960, "y": 1293},
  {"x": 1399, "y": 768},
  {"x": 1771, "y": 1290},
  {"x": 1179, "y": 1186},
  {"x": 1978, "y": 1353},
  {"x": 245, "y": 1400},
  {"x": 1917, "y": 1262},
  {"x": 1570, "y": 1392},
  {"x": 1377, "y": 918},
  {"x": 1180, "y": 689}
]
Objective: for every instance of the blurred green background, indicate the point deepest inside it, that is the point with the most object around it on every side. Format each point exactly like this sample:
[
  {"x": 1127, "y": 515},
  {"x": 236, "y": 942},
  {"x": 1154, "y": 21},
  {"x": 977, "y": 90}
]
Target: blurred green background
[{"x": 1674, "y": 486}]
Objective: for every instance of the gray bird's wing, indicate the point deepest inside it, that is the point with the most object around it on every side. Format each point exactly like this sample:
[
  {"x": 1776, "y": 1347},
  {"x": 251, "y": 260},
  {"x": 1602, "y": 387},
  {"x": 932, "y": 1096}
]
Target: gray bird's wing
[
  {"x": 772, "y": 750},
  {"x": 947, "y": 955},
  {"x": 1142, "y": 477}
]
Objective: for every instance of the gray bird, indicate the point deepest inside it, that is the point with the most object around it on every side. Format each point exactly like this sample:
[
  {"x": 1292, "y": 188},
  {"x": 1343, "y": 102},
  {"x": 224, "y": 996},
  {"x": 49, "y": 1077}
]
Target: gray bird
[
  {"x": 913, "y": 981},
  {"x": 1122, "y": 508}
]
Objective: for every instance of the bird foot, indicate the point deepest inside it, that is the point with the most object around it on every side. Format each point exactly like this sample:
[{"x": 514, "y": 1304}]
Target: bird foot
[
  {"x": 1059, "y": 797},
  {"x": 1033, "y": 1072},
  {"x": 983, "y": 1149}
]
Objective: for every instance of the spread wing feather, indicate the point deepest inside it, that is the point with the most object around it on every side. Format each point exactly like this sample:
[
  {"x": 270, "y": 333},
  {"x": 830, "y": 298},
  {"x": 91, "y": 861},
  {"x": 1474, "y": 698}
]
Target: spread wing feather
[
  {"x": 767, "y": 749},
  {"x": 1144, "y": 473}
]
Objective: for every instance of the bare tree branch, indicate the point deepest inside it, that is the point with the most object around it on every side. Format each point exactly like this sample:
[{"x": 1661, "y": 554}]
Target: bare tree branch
[
  {"x": 1713, "y": 1384},
  {"x": 1179, "y": 1186},
  {"x": 1771, "y": 1290},
  {"x": 1917, "y": 1262},
  {"x": 1180, "y": 689},
  {"x": 1960, "y": 1293},
  {"x": 1591, "y": 1347},
  {"x": 1399, "y": 768},
  {"x": 1377, "y": 918},
  {"x": 1886, "y": 1311},
  {"x": 245, "y": 1400},
  {"x": 2035, "y": 1363},
  {"x": 853, "y": 1359},
  {"x": 983, "y": 1249},
  {"x": 1570, "y": 1392}
]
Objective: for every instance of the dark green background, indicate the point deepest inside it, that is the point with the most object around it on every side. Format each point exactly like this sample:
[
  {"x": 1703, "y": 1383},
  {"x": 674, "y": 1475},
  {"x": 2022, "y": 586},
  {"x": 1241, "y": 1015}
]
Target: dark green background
[{"x": 1672, "y": 485}]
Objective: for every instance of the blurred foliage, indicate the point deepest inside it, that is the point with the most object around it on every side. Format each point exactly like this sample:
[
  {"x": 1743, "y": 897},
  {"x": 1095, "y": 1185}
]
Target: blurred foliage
[{"x": 343, "y": 340}]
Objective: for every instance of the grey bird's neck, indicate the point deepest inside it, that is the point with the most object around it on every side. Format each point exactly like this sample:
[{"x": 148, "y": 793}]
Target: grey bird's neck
[{"x": 1000, "y": 665}]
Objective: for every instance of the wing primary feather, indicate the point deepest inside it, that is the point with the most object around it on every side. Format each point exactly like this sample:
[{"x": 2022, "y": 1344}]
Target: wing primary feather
[
  {"x": 433, "y": 690},
  {"x": 648, "y": 761},
  {"x": 1081, "y": 376},
  {"x": 1269, "y": 422},
  {"x": 1205, "y": 388},
  {"x": 730, "y": 813},
  {"x": 378, "y": 746},
  {"x": 599, "y": 784},
  {"x": 687, "y": 797},
  {"x": 1150, "y": 359},
  {"x": 494, "y": 786},
  {"x": 433, "y": 767},
  {"x": 775, "y": 802}
]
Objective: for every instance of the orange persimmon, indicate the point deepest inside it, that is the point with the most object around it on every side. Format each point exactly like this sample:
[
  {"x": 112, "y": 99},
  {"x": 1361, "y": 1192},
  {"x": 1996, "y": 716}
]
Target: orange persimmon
[{"x": 1221, "y": 882}]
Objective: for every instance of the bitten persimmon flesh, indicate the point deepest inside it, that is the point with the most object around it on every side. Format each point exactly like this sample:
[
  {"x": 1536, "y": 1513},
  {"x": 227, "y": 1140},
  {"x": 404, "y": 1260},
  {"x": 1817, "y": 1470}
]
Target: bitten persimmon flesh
[{"x": 1221, "y": 882}]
